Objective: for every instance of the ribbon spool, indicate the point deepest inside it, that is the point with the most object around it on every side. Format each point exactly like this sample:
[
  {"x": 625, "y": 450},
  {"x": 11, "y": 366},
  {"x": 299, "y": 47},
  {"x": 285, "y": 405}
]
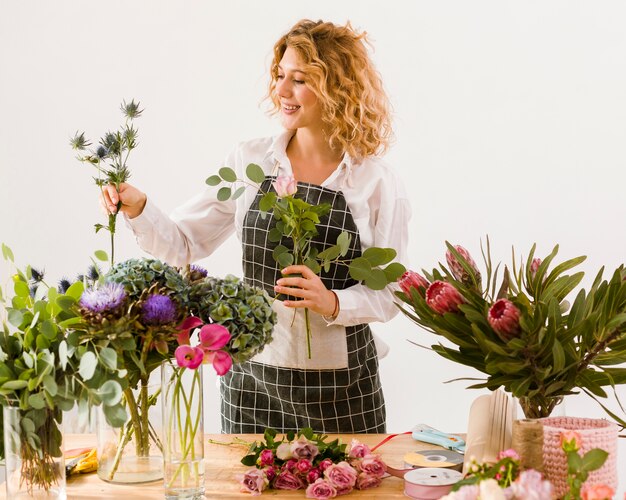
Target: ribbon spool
[
  {"x": 439, "y": 459},
  {"x": 430, "y": 483}
]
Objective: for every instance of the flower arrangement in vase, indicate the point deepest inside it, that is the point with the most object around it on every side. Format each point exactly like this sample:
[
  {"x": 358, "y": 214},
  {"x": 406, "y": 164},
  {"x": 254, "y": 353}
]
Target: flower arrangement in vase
[{"x": 522, "y": 333}]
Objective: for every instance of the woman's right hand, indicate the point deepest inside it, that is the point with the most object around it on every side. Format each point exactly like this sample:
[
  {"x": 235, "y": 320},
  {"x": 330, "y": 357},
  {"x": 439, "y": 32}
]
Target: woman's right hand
[{"x": 133, "y": 200}]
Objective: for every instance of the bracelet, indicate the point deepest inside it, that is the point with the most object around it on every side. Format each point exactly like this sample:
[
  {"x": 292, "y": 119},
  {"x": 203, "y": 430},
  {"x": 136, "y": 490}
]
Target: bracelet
[{"x": 333, "y": 316}]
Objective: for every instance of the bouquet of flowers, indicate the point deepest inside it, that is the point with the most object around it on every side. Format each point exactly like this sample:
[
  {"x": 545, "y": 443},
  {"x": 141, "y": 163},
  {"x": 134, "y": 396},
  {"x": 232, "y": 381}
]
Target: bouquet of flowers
[
  {"x": 305, "y": 460},
  {"x": 523, "y": 334}
]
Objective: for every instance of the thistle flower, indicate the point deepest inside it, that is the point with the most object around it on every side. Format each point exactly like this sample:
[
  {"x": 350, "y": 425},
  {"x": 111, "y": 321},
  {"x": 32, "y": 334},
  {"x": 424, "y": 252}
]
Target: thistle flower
[
  {"x": 504, "y": 317},
  {"x": 458, "y": 271},
  {"x": 131, "y": 110},
  {"x": 63, "y": 285},
  {"x": 158, "y": 310},
  {"x": 411, "y": 279},
  {"x": 197, "y": 272},
  {"x": 93, "y": 273},
  {"x": 107, "y": 298},
  {"x": 101, "y": 152},
  {"x": 78, "y": 142},
  {"x": 442, "y": 297}
]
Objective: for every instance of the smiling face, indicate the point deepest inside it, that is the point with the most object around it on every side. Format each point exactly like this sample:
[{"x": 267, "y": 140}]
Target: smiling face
[{"x": 299, "y": 106}]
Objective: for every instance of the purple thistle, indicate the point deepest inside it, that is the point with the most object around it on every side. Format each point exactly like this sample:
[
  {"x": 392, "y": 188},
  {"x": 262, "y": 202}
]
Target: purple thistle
[
  {"x": 106, "y": 298},
  {"x": 195, "y": 268},
  {"x": 158, "y": 310}
]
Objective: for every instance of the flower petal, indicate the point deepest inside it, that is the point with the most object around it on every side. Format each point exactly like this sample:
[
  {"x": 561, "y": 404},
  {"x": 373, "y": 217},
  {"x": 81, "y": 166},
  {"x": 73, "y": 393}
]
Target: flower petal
[
  {"x": 214, "y": 336},
  {"x": 222, "y": 362},
  {"x": 189, "y": 323}
]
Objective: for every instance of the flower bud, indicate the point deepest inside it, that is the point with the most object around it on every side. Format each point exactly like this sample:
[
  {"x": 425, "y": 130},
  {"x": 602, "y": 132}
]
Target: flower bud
[
  {"x": 504, "y": 317},
  {"x": 285, "y": 185},
  {"x": 457, "y": 269},
  {"x": 570, "y": 441},
  {"x": 411, "y": 279},
  {"x": 442, "y": 297}
]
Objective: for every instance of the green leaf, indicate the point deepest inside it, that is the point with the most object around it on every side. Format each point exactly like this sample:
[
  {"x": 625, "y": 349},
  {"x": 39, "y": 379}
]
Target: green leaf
[
  {"x": 228, "y": 174},
  {"x": 50, "y": 385},
  {"x": 75, "y": 290},
  {"x": 360, "y": 269},
  {"x": 65, "y": 302},
  {"x": 21, "y": 289},
  {"x": 110, "y": 392},
  {"x": 267, "y": 201},
  {"x": 108, "y": 357},
  {"x": 275, "y": 235},
  {"x": 7, "y": 253},
  {"x": 37, "y": 401},
  {"x": 223, "y": 194},
  {"x": 49, "y": 329},
  {"x": 238, "y": 192},
  {"x": 574, "y": 462},
  {"x": 394, "y": 271},
  {"x": 15, "y": 385},
  {"x": 249, "y": 460},
  {"x": 15, "y": 317},
  {"x": 343, "y": 241},
  {"x": 101, "y": 255},
  {"x": 594, "y": 459},
  {"x": 255, "y": 173},
  {"x": 558, "y": 355},
  {"x": 285, "y": 259},
  {"x": 63, "y": 354},
  {"x": 115, "y": 415},
  {"x": 88, "y": 364},
  {"x": 379, "y": 256},
  {"x": 213, "y": 180},
  {"x": 377, "y": 280}
]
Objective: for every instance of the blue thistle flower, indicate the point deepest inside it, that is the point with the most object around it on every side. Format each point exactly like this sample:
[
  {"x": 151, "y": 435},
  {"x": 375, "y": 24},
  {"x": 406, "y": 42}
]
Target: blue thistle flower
[
  {"x": 158, "y": 310},
  {"x": 102, "y": 152},
  {"x": 106, "y": 298},
  {"x": 63, "y": 285},
  {"x": 93, "y": 273},
  {"x": 37, "y": 275}
]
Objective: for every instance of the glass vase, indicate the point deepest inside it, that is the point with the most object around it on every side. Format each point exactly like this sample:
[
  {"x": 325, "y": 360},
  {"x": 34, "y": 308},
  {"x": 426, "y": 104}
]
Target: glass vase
[
  {"x": 133, "y": 452},
  {"x": 183, "y": 432},
  {"x": 33, "y": 447}
]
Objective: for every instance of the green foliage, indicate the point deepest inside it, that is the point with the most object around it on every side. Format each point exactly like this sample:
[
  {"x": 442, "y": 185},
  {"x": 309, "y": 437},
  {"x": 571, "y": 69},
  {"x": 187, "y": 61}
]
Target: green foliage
[
  {"x": 558, "y": 349},
  {"x": 579, "y": 467}
]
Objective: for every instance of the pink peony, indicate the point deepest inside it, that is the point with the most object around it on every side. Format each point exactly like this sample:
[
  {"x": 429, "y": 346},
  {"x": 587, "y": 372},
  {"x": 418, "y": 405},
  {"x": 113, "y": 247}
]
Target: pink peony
[
  {"x": 303, "y": 448},
  {"x": 457, "y": 269},
  {"x": 365, "y": 481},
  {"x": 266, "y": 457},
  {"x": 254, "y": 481},
  {"x": 504, "y": 317},
  {"x": 287, "y": 480},
  {"x": 342, "y": 476},
  {"x": 570, "y": 441},
  {"x": 321, "y": 490},
  {"x": 411, "y": 279},
  {"x": 357, "y": 449},
  {"x": 372, "y": 465},
  {"x": 510, "y": 453},
  {"x": 285, "y": 185},
  {"x": 442, "y": 297}
]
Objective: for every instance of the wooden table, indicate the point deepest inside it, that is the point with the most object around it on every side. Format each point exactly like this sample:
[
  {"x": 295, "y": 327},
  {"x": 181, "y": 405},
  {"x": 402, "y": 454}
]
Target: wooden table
[{"x": 223, "y": 466}]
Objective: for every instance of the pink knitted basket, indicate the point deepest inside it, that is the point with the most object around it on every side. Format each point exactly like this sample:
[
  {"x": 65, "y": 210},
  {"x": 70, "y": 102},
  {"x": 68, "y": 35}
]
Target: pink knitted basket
[{"x": 594, "y": 433}]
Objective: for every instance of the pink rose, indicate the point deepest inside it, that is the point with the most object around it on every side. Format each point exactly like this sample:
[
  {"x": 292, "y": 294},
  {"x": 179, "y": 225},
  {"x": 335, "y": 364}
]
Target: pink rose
[
  {"x": 270, "y": 472},
  {"x": 357, "y": 449},
  {"x": 266, "y": 457},
  {"x": 442, "y": 297},
  {"x": 342, "y": 476},
  {"x": 411, "y": 279},
  {"x": 254, "y": 481},
  {"x": 372, "y": 465},
  {"x": 285, "y": 185},
  {"x": 313, "y": 475},
  {"x": 325, "y": 464},
  {"x": 510, "y": 453},
  {"x": 287, "y": 480},
  {"x": 597, "y": 492},
  {"x": 321, "y": 490},
  {"x": 504, "y": 317},
  {"x": 365, "y": 481},
  {"x": 570, "y": 441},
  {"x": 457, "y": 269},
  {"x": 303, "y": 448},
  {"x": 290, "y": 465},
  {"x": 303, "y": 466},
  {"x": 283, "y": 452}
]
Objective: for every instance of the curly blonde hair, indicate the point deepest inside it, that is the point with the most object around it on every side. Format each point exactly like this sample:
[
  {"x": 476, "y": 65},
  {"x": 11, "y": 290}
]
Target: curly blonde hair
[{"x": 355, "y": 108}]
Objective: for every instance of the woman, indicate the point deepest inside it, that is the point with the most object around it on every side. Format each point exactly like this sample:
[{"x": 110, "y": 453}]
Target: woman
[{"x": 335, "y": 112}]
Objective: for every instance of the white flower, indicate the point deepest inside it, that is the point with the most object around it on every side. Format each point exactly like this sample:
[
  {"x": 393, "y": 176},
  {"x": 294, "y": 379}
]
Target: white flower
[{"x": 490, "y": 490}]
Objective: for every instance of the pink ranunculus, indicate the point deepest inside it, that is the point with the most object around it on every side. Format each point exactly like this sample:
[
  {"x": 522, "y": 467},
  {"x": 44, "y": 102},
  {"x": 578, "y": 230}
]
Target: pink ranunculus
[
  {"x": 266, "y": 457},
  {"x": 188, "y": 357},
  {"x": 221, "y": 361},
  {"x": 321, "y": 489},
  {"x": 570, "y": 441},
  {"x": 303, "y": 448},
  {"x": 373, "y": 465},
  {"x": 442, "y": 297},
  {"x": 287, "y": 480},
  {"x": 283, "y": 452},
  {"x": 365, "y": 481},
  {"x": 457, "y": 269},
  {"x": 254, "y": 481},
  {"x": 357, "y": 449},
  {"x": 313, "y": 475},
  {"x": 303, "y": 466},
  {"x": 597, "y": 492},
  {"x": 285, "y": 185},
  {"x": 342, "y": 476},
  {"x": 510, "y": 453},
  {"x": 325, "y": 464},
  {"x": 411, "y": 279},
  {"x": 185, "y": 328},
  {"x": 504, "y": 317}
]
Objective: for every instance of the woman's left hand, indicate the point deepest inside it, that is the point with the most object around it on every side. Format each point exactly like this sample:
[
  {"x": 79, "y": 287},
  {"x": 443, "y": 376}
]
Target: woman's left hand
[{"x": 309, "y": 288}]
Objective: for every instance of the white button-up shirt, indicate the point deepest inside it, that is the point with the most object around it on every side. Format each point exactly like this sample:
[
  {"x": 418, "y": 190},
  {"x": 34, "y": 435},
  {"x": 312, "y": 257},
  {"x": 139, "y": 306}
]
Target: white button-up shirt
[{"x": 375, "y": 195}]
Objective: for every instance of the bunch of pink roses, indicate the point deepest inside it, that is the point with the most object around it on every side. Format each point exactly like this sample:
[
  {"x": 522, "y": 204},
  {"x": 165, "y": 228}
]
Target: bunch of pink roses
[{"x": 324, "y": 470}]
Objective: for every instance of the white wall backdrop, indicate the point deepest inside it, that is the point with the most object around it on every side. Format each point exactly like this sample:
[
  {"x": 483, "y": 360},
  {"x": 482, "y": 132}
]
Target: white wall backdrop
[{"x": 510, "y": 122}]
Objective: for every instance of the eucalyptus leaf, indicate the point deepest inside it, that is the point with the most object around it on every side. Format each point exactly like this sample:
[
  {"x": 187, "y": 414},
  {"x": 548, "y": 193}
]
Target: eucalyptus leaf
[
  {"x": 255, "y": 173},
  {"x": 15, "y": 317},
  {"x": 111, "y": 393},
  {"x": 7, "y": 253},
  {"x": 108, "y": 357},
  {"x": 101, "y": 255},
  {"x": 238, "y": 192},
  {"x": 223, "y": 194},
  {"x": 88, "y": 364},
  {"x": 228, "y": 174},
  {"x": 21, "y": 289},
  {"x": 213, "y": 180}
]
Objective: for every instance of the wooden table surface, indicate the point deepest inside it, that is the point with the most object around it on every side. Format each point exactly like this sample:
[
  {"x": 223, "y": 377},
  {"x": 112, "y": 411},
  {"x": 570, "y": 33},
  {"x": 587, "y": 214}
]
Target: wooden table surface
[{"x": 223, "y": 468}]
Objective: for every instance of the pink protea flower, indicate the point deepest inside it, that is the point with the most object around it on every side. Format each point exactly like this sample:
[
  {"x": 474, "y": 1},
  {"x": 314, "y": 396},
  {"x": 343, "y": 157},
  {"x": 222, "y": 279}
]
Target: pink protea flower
[
  {"x": 442, "y": 297},
  {"x": 411, "y": 279},
  {"x": 285, "y": 185},
  {"x": 504, "y": 317},
  {"x": 457, "y": 269},
  {"x": 534, "y": 266},
  {"x": 570, "y": 441},
  {"x": 597, "y": 492}
]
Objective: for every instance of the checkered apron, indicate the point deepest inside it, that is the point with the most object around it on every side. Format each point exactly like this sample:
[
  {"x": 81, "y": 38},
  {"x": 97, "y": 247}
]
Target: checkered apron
[{"x": 257, "y": 395}]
